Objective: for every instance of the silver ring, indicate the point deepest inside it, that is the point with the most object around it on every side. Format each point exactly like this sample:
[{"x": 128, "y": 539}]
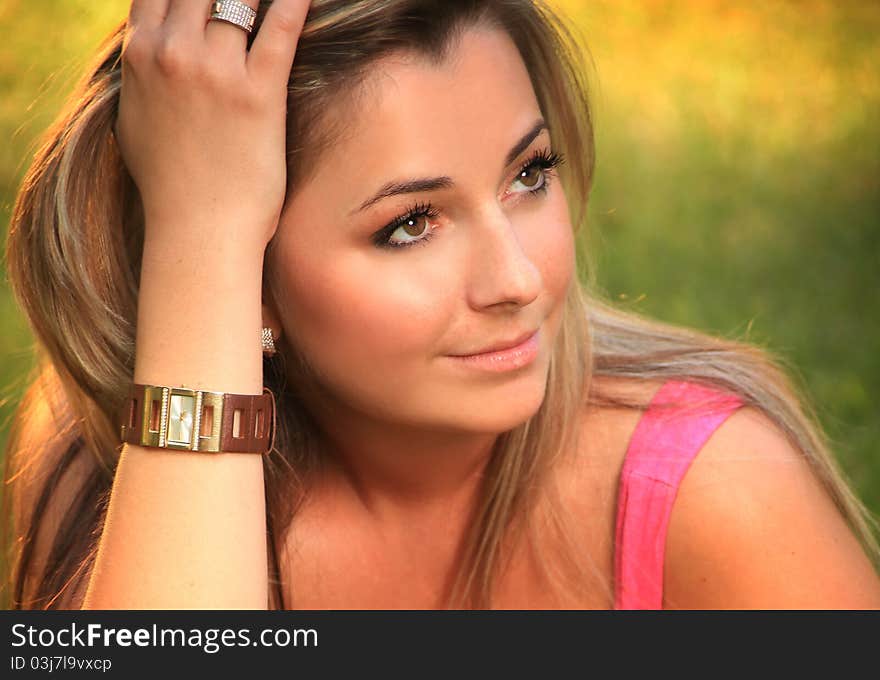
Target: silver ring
[{"x": 235, "y": 13}]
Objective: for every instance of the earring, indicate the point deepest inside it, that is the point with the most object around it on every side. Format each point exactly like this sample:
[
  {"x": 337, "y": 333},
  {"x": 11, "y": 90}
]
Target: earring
[{"x": 268, "y": 342}]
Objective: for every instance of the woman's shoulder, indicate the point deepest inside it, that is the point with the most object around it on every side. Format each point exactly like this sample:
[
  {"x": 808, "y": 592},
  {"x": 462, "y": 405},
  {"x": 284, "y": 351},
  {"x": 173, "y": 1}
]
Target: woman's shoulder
[{"x": 753, "y": 527}]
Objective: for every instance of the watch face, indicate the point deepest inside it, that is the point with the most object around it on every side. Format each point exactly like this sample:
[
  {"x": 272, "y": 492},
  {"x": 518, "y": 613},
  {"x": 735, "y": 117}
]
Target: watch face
[{"x": 180, "y": 419}]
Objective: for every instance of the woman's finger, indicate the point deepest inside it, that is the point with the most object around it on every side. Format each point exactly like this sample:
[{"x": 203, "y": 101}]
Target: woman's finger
[
  {"x": 147, "y": 14},
  {"x": 187, "y": 18},
  {"x": 223, "y": 37},
  {"x": 275, "y": 45}
]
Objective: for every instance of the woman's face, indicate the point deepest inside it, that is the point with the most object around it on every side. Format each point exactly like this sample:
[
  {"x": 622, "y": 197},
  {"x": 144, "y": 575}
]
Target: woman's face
[{"x": 489, "y": 257}]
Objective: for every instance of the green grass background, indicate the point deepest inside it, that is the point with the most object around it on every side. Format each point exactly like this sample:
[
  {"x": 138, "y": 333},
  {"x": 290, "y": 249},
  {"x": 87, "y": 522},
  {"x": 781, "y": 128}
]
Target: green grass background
[{"x": 737, "y": 182}]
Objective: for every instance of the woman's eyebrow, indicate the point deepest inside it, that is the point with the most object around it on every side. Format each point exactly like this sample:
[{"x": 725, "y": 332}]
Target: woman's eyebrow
[{"x": 444, "y": 182}]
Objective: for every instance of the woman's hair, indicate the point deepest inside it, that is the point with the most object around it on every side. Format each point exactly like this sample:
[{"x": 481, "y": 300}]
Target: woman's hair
[{"x": 74, "y": 257}]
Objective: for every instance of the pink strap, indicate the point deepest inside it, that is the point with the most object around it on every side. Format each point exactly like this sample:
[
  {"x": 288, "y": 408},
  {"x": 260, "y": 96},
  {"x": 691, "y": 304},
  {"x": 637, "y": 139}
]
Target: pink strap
[{"x": 679, "y": 420}]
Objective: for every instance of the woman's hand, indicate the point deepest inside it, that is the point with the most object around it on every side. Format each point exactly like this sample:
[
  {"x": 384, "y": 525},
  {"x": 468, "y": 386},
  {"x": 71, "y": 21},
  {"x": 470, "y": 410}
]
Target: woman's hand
[{"x": 201, "y": 124}]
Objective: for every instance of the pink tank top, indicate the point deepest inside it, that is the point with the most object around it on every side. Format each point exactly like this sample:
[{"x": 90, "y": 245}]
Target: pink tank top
[{"x": 679, "y": 420}]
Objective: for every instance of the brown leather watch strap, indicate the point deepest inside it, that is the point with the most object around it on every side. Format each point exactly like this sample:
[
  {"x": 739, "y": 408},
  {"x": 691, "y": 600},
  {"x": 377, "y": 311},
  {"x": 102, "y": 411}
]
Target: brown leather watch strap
[
  {"x": 198, "y": 420},
  {"x": 256, "y": 422}
]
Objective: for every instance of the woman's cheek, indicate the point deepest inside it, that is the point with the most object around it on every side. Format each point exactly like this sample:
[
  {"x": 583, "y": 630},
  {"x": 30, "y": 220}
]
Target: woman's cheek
[
  {"x": 565, "y": 256},
  {"x": 359, "y": 311},
  {"x": 553, "y": 251}
]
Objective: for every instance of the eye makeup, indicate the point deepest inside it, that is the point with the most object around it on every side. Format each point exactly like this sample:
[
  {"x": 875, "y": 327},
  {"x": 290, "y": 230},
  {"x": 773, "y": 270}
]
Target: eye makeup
[{"x": 544, "y": 160}]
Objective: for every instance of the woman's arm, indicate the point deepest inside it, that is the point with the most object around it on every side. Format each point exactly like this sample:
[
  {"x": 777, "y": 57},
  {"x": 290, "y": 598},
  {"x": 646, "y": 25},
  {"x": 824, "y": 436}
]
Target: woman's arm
[
  {"x": 187, "y": 530},
  {"x": 753, "y": 528},
  {"x": 201, "y": 129}
]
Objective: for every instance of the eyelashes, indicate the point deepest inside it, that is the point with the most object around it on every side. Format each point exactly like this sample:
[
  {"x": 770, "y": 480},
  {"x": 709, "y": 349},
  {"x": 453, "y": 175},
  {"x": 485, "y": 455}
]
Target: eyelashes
[{"x": 543, "y": 159}]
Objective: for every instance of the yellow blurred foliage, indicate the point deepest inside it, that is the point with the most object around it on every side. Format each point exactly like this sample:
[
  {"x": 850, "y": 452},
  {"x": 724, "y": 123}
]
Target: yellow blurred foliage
[{"x": 780, "y": 72}]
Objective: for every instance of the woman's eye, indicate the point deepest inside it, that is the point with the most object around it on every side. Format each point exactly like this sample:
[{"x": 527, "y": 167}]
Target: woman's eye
[
  {"x": 532, "y": 177},
  {"x": 414, "y": 228},
  {"x": 535, "y": 174}
]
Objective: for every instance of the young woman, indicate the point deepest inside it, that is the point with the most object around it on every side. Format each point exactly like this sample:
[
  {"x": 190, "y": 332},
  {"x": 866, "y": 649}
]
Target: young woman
[{"x": 459, "y": 420}]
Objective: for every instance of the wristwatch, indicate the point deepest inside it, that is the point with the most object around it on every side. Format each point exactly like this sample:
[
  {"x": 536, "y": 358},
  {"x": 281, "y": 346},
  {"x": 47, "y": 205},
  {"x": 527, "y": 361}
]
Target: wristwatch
[{"x": 198, "y": 420}]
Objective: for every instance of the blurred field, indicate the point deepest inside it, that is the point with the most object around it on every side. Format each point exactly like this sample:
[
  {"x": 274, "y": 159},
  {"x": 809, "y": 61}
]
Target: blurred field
[{"x": 737, "y": 186}]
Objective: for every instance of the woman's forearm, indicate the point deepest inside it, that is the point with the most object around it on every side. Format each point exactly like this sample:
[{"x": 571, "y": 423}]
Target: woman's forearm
[{"x": 186, "y": 530}]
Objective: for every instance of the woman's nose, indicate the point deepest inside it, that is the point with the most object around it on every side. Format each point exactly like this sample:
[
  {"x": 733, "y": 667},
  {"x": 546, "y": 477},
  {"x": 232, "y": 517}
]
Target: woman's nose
[{"x": 502, "y": 271}]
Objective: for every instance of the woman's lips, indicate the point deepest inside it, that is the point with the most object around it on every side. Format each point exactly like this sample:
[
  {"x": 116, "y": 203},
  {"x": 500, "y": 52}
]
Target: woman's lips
[{"x": 505, "y": 359}]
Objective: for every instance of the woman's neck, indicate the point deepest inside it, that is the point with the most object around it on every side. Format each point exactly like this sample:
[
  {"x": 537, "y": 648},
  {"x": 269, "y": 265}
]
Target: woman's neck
[{"x": 399, "y": 471}]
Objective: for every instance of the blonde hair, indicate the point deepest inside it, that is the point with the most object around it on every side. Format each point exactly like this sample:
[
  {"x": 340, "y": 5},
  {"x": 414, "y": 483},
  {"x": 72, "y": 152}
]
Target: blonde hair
[{"x": 73, "y": 255}]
